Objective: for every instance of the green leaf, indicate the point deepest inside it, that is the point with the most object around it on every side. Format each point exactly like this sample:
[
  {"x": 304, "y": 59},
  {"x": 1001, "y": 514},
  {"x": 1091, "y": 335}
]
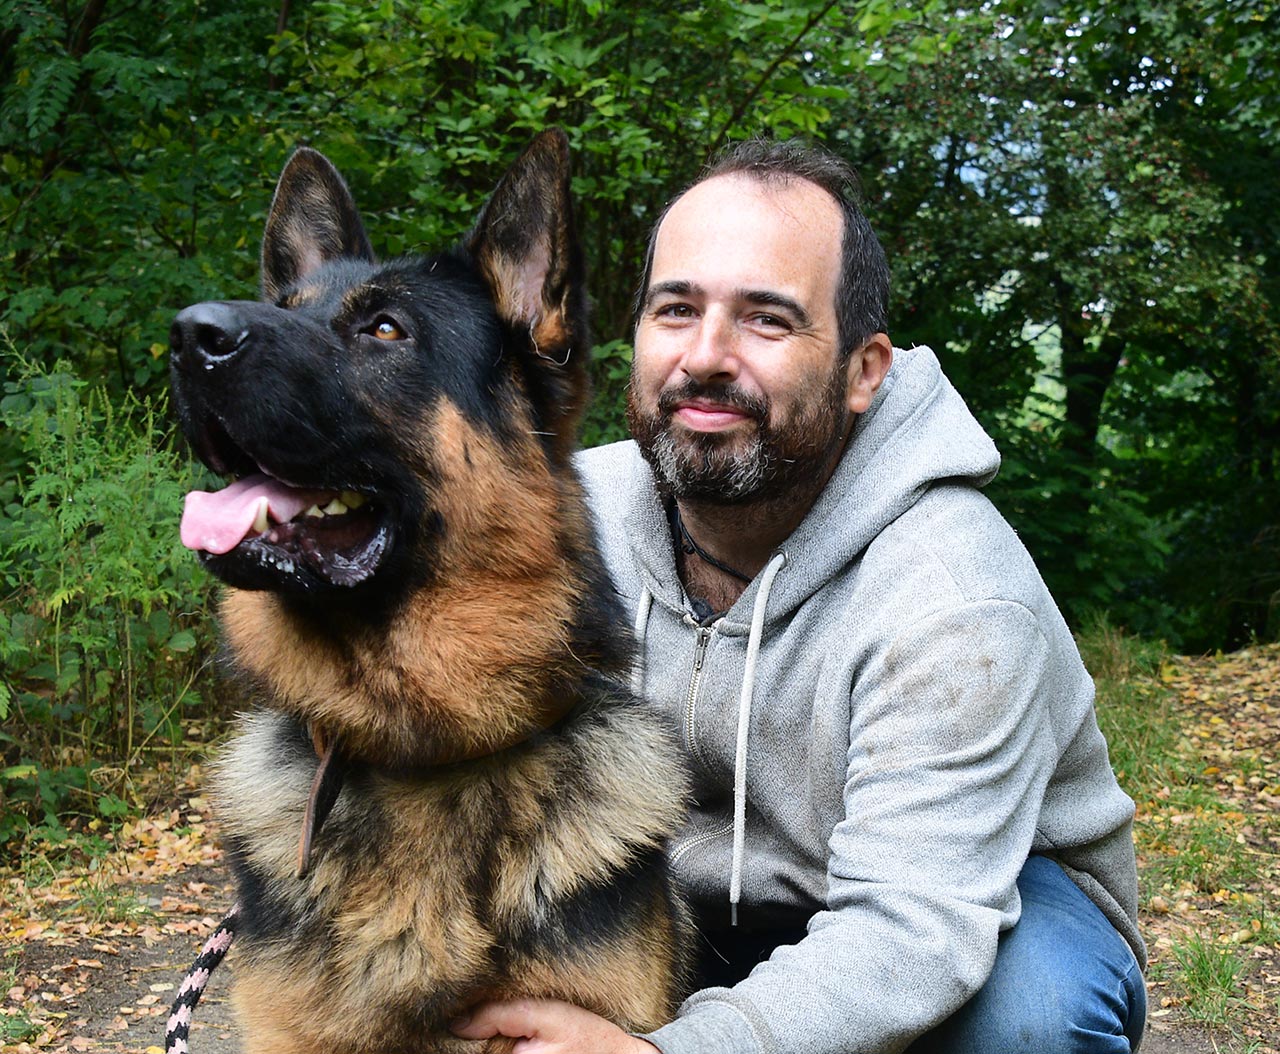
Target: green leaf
[
  {"x": 183, "y": 640},
  {"x": 112, "y": 807}
]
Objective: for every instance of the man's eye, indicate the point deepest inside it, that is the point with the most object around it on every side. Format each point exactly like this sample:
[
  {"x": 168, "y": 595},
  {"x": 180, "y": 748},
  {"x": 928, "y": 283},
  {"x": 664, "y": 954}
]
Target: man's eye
[{"x": 676, "y": 311}]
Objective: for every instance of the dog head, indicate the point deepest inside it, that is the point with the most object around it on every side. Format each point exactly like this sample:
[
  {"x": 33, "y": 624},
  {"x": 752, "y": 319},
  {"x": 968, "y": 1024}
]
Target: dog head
[{"x": 345, "y": 404}]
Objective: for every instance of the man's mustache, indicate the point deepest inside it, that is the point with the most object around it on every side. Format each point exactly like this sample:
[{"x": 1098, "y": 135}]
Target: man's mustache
[{"x": 722, "y": 394}]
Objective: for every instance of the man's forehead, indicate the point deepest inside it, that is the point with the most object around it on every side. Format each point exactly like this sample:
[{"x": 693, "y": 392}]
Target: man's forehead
[
  {"x": 749, "y": 234},
  {"x": 784, "y": 199}
]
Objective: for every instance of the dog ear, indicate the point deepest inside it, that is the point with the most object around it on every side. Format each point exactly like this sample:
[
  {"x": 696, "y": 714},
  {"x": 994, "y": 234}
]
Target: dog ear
[
  {"x": 313, "y": 219},
  {"x": 525, "y": 243}
]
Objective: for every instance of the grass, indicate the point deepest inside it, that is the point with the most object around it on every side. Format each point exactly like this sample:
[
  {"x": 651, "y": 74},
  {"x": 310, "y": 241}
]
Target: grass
[
  {"x": 15, "y": 1025},
  {"x": 1211, "y": 975},
  {"x": 100, "y": 900},
  {"x": 1193, "y": 746},
  {"x": 1135, "y": 712},
  {"x": 74, "y": 860}
]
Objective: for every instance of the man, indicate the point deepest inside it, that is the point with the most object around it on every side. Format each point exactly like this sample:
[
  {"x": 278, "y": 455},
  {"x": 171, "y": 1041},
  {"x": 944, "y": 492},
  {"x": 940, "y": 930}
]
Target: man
[{"x": 905, "y": 830}]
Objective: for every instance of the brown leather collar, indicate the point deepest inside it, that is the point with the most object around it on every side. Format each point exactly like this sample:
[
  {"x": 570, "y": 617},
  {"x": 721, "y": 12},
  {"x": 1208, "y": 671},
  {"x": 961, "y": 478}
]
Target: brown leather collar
[
  {"x": 332, "y": 770},
  {"x": 325, "y": 787}
]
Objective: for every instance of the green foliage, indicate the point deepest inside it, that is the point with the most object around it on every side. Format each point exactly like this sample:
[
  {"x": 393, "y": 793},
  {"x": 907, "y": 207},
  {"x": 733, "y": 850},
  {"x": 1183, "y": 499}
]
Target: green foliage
[
  {"x": 1078, "y": 203},
  {"x": 139, "y": 149},
  {"x": 18, "y": 1028},
  {"x": 611, "y": 366},
  {"x": 104, "y": 625},
  {"x": 1079, "y": 224}
]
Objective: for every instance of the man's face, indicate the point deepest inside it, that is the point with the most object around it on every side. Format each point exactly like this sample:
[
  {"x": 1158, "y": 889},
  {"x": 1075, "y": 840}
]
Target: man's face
[{"x": 737, "y": 391}]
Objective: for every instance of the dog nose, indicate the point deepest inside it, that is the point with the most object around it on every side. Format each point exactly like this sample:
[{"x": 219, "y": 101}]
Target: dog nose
[{"x": 212, "y": 332}]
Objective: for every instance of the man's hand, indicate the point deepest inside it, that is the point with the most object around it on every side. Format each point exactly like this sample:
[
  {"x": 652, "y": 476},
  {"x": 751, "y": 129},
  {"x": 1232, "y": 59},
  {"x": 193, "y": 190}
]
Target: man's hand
[{"x": 546, "y": 1026}]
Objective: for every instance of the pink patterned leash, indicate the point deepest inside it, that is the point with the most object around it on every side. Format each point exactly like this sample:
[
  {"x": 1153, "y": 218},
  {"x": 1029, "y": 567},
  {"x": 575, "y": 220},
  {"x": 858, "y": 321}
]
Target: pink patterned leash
[
  {"x": 325, "y": 788},
  {"x": 193, "y": 985}
]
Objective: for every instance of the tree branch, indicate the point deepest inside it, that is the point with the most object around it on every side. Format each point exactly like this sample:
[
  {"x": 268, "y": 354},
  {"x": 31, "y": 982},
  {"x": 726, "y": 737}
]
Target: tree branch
[
  {"x": 282, "y": 23},
  {"x": 734, "y": 117}
]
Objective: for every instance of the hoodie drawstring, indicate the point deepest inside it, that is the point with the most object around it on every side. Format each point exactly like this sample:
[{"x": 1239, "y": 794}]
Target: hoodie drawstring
[
  {"x": 641, "y": 626},
  {"x": 776, "y": 563}
]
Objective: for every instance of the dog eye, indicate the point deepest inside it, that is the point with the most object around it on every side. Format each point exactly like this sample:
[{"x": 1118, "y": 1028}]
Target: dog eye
[{"x": 386, "y": 328}]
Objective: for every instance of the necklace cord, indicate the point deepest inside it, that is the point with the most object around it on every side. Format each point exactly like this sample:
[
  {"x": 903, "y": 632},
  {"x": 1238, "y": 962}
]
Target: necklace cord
[{"x": 692, "y": 548}]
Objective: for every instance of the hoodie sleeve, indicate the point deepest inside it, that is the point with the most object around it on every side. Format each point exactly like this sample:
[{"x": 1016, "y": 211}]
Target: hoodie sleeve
[{"x": 951, "y": 748}]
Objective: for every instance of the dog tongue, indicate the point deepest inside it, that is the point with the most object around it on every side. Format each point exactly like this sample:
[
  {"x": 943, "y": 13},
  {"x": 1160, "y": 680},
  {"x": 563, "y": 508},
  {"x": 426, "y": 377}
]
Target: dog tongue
[{"x": 217, "y": 522}]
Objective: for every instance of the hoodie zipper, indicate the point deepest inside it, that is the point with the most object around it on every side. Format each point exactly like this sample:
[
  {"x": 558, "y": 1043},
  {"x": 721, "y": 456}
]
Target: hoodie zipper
[
  {"x": 699, "y": 839},
  {"x": 691, "y": 699}
]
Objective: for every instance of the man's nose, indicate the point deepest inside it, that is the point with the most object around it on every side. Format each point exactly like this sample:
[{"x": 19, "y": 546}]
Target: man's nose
[{"x": 713, "y": 353}]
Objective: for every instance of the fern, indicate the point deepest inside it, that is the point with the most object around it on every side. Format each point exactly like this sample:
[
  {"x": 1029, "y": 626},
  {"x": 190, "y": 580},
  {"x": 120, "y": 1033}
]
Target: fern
[
  {"x": 53, "y": 83},
  {"x": 109, "y": 623}
]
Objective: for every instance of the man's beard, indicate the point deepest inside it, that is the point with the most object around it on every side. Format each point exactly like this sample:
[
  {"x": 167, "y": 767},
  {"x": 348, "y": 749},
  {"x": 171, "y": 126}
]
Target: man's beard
[{"x": 768, "y": 463}]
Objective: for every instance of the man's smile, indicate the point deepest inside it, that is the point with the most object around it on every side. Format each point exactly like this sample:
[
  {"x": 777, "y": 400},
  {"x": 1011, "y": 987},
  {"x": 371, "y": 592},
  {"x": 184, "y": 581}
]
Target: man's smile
[
  {"x": 704, "y": 416},
  {"x": 710, "y": 408}
]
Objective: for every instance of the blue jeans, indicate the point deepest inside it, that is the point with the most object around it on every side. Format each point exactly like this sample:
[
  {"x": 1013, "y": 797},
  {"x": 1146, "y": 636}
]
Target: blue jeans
[{"x": 1064, "y": 981}]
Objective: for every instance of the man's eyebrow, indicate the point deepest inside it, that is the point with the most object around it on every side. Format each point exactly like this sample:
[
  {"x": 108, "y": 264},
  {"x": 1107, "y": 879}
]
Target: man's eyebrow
[
  {"x": 768, "y": 298},
  {"x": 671, "y": 287}
]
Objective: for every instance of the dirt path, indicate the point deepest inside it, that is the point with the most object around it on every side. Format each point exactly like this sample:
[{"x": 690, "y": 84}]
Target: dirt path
[
  {"x": 109, "y": 987},
  {"x": 93, "y": 947}
]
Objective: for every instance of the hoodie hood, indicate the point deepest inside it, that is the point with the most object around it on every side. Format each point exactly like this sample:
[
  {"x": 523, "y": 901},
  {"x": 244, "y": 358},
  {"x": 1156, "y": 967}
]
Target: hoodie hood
[{"x": 916, "y": 432}]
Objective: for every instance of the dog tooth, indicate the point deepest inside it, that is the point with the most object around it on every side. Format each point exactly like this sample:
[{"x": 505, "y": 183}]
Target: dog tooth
[
  {"x": 351, "y": 499},
  {"x": 260, "y": 522},
  {"x": 314, "y": 511},
  {"x": 335, "y": 508}
]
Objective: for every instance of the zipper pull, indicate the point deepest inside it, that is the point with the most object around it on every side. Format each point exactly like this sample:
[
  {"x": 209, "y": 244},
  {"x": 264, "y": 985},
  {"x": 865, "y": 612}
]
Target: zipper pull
[{"x": 700, "y": 653}]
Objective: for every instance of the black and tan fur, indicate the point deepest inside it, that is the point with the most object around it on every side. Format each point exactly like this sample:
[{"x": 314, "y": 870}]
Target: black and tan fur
[{"x": 505, "y": 802}]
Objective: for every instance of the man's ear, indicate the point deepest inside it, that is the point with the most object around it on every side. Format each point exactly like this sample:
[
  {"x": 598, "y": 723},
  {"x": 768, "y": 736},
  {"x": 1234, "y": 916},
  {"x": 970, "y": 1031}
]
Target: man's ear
[
  {"x": 313, "y": 220},
  {"x": 867, "y": 368},
  {"x": 526, "y": 247}
]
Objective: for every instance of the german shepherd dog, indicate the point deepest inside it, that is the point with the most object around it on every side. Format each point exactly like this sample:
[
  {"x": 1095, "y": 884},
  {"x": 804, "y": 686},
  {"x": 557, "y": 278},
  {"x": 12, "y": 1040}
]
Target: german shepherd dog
[{"x": 447, "y": 792}]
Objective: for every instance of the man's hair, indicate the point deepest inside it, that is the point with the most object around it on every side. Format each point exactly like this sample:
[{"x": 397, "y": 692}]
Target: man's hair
[{"x": 862, "y": 294}]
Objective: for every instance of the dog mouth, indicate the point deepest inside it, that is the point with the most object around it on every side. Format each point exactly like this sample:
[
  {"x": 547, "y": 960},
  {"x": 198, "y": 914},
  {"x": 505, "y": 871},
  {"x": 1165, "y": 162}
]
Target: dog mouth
[{"x": 261, "y": 532}]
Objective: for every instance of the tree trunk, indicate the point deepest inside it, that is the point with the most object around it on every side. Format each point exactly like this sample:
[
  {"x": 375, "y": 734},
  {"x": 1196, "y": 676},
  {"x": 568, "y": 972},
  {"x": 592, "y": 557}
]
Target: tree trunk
[
  {"x": 1088, "y": 367},
  {"x": 282, "y": 23}
]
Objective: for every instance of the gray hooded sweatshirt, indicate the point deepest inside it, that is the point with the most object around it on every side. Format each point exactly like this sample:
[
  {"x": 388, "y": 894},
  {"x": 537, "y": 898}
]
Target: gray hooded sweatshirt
[{"x": 886, "y": 723}]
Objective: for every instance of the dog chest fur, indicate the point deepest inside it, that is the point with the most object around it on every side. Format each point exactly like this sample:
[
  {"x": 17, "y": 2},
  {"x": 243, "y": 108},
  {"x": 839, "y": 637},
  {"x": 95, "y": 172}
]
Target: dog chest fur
[{"x": 426, "y": 883}]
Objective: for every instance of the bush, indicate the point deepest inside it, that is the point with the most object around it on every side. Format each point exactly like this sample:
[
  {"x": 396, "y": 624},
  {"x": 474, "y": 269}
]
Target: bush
[{"x": 104, "y": 625}]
